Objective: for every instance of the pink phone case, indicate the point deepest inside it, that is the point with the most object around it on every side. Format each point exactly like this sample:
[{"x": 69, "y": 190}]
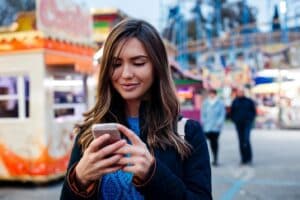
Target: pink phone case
[{"x": 106, "y": 128}]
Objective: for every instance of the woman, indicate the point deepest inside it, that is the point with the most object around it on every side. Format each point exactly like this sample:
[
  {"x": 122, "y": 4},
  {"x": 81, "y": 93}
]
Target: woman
[
  {"x": 135, "y": 90},
  {"x": 213, "y": 116}
]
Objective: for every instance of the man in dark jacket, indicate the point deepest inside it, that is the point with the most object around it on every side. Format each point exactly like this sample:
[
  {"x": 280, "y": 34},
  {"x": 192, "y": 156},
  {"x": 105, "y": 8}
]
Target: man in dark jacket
[{"x": 243, "y": 112}]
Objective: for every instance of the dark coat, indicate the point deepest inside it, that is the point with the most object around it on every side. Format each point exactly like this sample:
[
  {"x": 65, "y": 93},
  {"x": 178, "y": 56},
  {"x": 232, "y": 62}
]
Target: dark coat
[
  {"x": 173, "y": 178},
  {"x": 243, "y": 109}
]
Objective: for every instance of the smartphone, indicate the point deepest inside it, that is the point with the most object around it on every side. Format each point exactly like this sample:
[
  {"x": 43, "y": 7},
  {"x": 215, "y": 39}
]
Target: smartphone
[{"x": 107, "y": 128}]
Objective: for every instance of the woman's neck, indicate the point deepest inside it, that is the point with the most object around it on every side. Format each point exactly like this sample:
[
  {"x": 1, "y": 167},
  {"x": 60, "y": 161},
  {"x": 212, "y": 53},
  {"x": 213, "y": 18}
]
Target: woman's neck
[{"x": 132, "y": 108}]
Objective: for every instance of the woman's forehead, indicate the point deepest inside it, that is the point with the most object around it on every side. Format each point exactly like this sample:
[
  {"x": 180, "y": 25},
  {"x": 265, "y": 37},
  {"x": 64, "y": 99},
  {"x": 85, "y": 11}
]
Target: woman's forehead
[{"x": 129, "y": 46}]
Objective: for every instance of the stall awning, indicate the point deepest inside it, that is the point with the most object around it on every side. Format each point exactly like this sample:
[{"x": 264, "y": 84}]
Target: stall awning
[
  {"x": 82, "y": 64},
  {"x": 185, "y": 74},
  {"x": 186, "y": 82},
  {"x": 57, "y": 52},
  {"x": 274, "y": 87}
]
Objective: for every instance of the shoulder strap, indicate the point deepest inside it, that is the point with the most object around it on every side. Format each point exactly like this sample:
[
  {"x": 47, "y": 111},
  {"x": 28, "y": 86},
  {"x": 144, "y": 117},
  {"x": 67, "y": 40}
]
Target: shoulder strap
[{"x": 180, "y": 127}]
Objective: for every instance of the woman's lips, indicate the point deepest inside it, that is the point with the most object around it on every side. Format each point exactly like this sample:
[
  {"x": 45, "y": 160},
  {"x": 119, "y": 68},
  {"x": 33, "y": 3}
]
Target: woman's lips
[{"x": 129, "y": 87}]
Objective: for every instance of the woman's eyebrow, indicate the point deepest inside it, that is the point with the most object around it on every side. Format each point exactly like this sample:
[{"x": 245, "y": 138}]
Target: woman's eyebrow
[
  {"x": 139, "y": 57},
  {"x": 115, "y": 59},
  {"x": 132, "y": 58}
]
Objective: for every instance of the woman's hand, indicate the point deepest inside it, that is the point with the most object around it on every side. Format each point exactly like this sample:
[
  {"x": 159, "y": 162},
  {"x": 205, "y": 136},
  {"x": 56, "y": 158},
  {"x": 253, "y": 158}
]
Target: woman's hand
[
  {"x": 98, "y": 160},
  {"x": 140, "y": 160}
]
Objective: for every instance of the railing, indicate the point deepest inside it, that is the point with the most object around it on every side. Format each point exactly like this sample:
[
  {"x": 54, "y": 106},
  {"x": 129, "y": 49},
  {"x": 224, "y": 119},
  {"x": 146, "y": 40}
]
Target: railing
[{"x": 246, "y": 36}]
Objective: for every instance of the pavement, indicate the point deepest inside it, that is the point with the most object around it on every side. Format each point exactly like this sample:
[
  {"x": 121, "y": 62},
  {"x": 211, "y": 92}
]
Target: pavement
[{"x": 274, "y": 175}]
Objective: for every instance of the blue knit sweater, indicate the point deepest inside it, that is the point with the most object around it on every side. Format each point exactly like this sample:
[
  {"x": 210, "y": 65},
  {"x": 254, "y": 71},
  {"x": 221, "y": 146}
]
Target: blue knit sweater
[{"x": 118, "y": 185}]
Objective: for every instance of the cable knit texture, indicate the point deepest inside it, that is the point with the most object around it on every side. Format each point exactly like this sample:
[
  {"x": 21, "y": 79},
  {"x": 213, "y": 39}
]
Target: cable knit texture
[{"x": 118, "y": 185}]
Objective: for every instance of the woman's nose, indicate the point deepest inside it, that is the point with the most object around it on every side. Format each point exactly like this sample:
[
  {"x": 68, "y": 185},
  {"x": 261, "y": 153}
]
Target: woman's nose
[{"x": 127, "y": 71}]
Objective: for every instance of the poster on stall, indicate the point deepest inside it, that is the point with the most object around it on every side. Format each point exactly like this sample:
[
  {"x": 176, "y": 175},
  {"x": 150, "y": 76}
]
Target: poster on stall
[{"x": 68, "y": 20}]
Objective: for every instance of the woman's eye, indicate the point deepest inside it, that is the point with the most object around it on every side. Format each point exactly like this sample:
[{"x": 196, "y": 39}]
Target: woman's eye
[
  {"x": 139, "y": 64},
  {"x": 115, "y": 65}
]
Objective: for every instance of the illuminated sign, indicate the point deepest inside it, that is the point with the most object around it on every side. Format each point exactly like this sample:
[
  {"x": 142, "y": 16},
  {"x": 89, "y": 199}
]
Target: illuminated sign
[{"x": 68, "y": 20}]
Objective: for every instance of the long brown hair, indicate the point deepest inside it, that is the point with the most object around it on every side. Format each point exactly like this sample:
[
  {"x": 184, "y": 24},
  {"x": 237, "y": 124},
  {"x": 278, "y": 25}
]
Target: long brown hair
[{"x": 162, "y": 109}]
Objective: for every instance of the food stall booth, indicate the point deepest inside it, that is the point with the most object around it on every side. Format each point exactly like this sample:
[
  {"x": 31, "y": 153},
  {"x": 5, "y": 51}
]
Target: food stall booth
[
  {"x": 189, "y": 91},
  {"x": 188, "y": 85},
  {"x": 45, "y": 73},
  {"x": 278, "y": 104},
  {"x": 104, "y": 19}
]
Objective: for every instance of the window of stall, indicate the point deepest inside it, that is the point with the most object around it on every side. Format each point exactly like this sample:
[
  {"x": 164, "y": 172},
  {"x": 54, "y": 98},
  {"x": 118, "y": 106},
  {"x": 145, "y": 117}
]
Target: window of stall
[
  {"x": 14, "y": 97},
  {"x": 69, "y": 99},
  {"x": 185, "y": 96}
]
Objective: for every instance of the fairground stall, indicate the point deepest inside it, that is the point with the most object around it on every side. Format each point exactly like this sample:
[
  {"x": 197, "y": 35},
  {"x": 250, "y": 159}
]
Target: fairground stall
[
  {"x": 188, "y": 85},
  {"x": 278, "y": 104},
  {"x": 104, "y": 19},
  {"x": 277, "y": 89},
  {"x": 189, "y": 91},
  {"x": 44, "y": 77}
]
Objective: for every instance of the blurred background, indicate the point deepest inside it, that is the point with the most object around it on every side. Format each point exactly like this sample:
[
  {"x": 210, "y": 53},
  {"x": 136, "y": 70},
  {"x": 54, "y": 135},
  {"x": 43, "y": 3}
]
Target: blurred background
[{"x": 49, "y": 53}]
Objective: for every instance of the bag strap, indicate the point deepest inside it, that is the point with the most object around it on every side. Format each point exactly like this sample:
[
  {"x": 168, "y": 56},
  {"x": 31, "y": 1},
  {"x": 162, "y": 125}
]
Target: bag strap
[{"x": 180, "y": 127}]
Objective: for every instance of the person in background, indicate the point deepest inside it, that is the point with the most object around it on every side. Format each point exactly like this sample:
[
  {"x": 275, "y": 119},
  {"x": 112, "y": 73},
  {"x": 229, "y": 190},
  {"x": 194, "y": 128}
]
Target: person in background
[
  {"x": 213, "y": 115},
  {"x": 243, "y": 113},
  {"x": 135, "y": 90}
]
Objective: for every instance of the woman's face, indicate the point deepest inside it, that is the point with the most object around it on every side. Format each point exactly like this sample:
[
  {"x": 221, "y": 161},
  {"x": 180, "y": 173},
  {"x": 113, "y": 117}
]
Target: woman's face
[{"x": 133, "y": 71}]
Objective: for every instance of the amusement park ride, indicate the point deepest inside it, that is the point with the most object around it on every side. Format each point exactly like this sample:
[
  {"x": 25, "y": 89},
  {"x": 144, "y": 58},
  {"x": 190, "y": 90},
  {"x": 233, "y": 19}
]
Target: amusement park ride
[{"x": 223, "y": 44}]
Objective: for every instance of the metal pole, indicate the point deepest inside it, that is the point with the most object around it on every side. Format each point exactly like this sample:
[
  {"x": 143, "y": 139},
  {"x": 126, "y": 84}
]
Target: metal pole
[{"x": 218, "y": 7}]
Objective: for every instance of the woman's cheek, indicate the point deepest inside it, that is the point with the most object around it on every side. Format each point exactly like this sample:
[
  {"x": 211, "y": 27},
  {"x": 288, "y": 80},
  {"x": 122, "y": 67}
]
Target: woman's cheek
[{"x": 116, "y": 74}]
